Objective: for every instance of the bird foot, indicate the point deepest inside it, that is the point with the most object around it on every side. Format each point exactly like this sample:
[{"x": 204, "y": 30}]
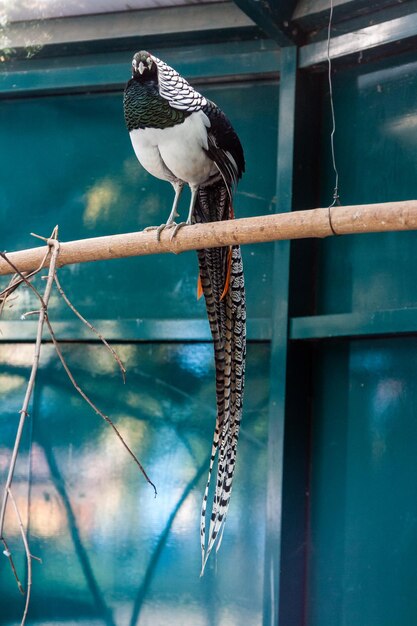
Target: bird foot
[
  {"x": 177, "y": 228},
  {"x": 160, "y": 228}
]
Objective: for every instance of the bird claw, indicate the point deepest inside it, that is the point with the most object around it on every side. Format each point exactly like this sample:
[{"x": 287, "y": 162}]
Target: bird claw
[
  {"x": 159, "y": 229},
  {"x": 177, "y": 228},
  {"x": 149, "y": 228},
  {"x": 162, "y": 227}
]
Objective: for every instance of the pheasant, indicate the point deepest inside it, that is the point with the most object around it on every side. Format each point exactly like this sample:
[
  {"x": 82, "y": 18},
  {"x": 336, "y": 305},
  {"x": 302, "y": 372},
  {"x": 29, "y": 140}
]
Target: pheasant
[{"x": 181, "y": 137}]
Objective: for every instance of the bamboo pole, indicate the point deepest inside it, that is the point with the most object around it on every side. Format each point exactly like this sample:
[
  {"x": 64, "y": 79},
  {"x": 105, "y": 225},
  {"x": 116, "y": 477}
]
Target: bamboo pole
[{"x": 345, "y": 220}]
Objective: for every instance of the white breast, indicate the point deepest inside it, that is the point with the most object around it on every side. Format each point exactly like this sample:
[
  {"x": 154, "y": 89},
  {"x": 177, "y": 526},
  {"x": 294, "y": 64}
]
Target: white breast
[
  {"x": 145, "y": 145},
  {"x": 176, "y": 153}
]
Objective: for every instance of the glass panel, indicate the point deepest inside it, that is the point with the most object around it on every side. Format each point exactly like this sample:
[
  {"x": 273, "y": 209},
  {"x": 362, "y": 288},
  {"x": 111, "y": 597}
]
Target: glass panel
[
  {"x": 111, "y": 552},
  {"x": 376, "y": 150},
  {"x": 363, "y": 547}
]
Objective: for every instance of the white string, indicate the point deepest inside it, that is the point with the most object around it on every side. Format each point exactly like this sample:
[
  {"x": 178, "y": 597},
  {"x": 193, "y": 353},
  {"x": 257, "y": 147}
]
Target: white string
[{"x": 336, "y": 198}]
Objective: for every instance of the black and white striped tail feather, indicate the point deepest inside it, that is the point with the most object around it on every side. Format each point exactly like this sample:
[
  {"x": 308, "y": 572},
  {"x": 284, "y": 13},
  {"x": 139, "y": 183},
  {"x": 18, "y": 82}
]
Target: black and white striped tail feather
[
  {"x": 219, "y": 365},
  {"x": 233, "y": 390},
  {"x": 227, "y": 318},
  {"x": 235, "y": 348},
  {"x": 220, "y": 438}
]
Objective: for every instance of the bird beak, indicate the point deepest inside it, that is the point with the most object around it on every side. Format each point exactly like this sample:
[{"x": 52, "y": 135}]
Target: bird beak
[{"x": 141, "y": 67}]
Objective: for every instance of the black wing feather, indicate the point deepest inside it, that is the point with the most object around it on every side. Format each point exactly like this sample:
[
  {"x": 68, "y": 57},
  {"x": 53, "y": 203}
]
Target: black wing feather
[{"x": 224, "y": 146}]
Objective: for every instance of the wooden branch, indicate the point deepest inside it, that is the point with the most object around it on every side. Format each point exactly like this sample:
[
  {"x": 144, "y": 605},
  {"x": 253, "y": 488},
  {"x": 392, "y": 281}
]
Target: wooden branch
[{"x": 345, "y": 220}]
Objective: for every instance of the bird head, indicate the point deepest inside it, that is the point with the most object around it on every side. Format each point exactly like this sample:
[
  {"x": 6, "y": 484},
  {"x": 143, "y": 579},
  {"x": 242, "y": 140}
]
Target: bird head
[{"x": 143, "y": 66}]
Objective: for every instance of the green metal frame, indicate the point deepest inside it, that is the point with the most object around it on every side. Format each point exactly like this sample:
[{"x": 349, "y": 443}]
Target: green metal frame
[
  {"x": 107, "y": 71},
  {"x": 273, "y": 18},
  {"x": 277, "y": 399},
  {"x": 363, "y": 324},
  {"x": 314, "y": 14},
  {"x": 401, "y": 31},
  {"x": 130, "y": 330}
]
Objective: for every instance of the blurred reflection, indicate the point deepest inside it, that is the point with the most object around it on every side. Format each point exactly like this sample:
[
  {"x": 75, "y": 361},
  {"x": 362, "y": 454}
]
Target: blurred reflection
[
  {"x": 370, "y": 361},
  {"x": 404, "y": 127},
  {"x": 384, "y": 397},
  {"x": 387, "y": 75},
  {"x": 116, "y": 554},
  {"x": 197, "y": 362},
  {"x": 47, "y": 517},
  {"x": 100, "y": 199},
  {"x": 11, "y": 355},
  {"x": 10, "y": 383},
  {"x": 385, "y": 400}
]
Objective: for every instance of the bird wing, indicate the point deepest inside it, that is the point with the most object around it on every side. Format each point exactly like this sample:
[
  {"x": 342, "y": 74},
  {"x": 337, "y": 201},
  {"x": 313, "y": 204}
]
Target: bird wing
[{"x": 224, "y": 146}]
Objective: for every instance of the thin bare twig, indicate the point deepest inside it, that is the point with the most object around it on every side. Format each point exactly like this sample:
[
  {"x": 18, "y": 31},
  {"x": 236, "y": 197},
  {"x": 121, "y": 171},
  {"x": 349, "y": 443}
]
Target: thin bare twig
[
  {"x": 14, "y": 283},
  {"x": 17, "y": 280},
  {"x": 19, "y": 277},
  {"x": 91, "y": 327},
  {"x": 75, "y": 384},
  {"x": 54, "y": 251},
  {"x": 28, "y": 556},
  {"x": 24, "y": 410},
  {"x": 5, "y": 293},
  {"x": 93, "y": 406},
  {"x": 7, "y": 553}
]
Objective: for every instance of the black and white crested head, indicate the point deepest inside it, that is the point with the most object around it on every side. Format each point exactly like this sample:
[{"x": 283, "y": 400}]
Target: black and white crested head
[
  {"x": 144, "y": 67},
  {"x": 171, "y": 86}
]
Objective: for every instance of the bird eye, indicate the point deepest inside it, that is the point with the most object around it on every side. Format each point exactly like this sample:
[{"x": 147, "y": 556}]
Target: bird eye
[{"x": 149, "y": 61}]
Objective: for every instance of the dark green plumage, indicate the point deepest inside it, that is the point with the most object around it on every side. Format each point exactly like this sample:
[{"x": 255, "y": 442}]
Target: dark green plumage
[{"x": 145, "y": 108}]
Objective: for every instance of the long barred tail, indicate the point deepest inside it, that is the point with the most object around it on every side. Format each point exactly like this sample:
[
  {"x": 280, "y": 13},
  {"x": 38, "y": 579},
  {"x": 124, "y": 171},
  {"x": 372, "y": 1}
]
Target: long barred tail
[{"x": 227, "y": 317}]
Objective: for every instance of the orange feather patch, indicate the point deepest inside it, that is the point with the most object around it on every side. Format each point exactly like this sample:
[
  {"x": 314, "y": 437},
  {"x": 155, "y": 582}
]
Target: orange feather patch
[
  {"x": 229, "y": 271},
  {"x": 199, "y": 288}
]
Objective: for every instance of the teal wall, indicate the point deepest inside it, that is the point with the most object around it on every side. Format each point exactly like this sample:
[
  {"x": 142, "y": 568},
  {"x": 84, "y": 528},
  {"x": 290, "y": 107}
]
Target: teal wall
[
  {"x": 363, "y": 541},
  {"x": 377, "y": 153}
]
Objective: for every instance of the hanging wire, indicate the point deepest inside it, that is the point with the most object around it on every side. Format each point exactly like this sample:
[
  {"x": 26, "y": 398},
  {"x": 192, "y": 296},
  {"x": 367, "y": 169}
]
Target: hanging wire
[{"x": 336, "y": 197}]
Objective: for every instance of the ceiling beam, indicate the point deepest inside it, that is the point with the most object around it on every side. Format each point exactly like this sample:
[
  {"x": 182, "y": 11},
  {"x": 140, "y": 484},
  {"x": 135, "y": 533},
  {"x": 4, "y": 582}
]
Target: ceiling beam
[
  {"x": 181, "y": 21},
  {"x": 274, "y": 17},
  {"x": 362, "y": 40},
  {"x": 313, "y": 14}
]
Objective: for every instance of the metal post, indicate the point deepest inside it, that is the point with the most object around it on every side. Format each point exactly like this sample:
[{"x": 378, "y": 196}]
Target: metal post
[{"x": 280, "y": 290}]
